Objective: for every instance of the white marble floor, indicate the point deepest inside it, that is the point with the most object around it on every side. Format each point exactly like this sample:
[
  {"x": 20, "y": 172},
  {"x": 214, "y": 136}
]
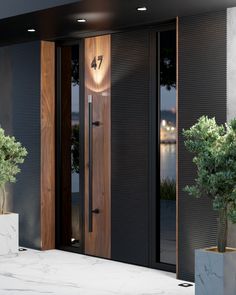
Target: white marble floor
[{"x": 61, "y": 273}]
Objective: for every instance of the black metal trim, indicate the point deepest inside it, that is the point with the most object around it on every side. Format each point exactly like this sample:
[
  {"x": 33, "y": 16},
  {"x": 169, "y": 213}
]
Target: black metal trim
[
  {"x": 153, "y": 234},
  {"x": 154, "y": 149},
  {"x": 82, "y": 136},
  {"x": 90, "y": 178},
  {"x": 156, "y": 26},
  {"x": 59, "y": 143}
]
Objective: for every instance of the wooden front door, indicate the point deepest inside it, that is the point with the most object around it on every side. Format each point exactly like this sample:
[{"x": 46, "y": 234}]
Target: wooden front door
[{"x": 98, "y": 146}]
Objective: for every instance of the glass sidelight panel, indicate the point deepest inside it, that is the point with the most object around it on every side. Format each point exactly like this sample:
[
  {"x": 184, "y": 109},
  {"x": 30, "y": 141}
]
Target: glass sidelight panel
[
  {"x": 75, "y": 150},
  {"x": 69, "y": 159},
  {"x": 167, "y": 146}
]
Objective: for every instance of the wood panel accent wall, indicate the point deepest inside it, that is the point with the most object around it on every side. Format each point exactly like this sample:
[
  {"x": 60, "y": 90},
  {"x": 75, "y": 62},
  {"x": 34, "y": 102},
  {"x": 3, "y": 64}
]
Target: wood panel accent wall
[
  {"x": 47, "y": 145},
  {"x": 98, "y": 84}
]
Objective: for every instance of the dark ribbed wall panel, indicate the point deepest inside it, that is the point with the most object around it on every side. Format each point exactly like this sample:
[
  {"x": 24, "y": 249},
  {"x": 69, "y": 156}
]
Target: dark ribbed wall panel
[
  {"x": 20, "y": 116},
  {"x": 202, "y": 91},
  {"x": 130, "y": 100}
]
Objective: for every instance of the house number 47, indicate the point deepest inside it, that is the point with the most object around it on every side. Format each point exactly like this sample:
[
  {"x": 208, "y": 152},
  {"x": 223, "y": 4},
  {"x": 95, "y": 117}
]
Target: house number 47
[{"x": 97, "y": 62}]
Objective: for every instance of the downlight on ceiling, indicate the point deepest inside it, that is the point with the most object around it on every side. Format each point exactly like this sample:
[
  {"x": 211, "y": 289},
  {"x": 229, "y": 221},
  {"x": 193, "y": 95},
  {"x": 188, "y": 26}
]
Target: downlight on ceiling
[
  {"x": 81, "y": 20},
  {"x": 142, "y": 8},
  {"x": 31, "y": 30}
]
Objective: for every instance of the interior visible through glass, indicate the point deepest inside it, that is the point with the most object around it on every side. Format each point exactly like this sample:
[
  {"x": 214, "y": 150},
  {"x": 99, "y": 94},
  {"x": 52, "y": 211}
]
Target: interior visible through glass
[
  {"x": 75, "y": 150},
  {"x": 167, "y": 107}
]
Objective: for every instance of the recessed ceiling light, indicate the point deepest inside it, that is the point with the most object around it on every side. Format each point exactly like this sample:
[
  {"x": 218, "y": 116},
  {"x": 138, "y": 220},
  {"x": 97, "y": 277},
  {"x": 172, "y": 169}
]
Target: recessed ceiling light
[
  {"x": 142, "y": 8},
  {"x": 31, "y": 30},
  {"x": 81, "y": 20}
]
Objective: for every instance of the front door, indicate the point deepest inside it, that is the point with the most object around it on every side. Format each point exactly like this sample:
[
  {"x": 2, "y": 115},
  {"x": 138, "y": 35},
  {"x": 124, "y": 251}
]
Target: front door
[
  {"x": 97, "y": 147},
  {"x": 139, "y": 227}
]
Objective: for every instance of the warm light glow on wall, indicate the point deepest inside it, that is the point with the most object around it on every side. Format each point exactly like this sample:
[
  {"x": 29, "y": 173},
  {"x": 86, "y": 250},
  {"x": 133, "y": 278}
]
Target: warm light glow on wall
[{"x": 99, "y": 75}]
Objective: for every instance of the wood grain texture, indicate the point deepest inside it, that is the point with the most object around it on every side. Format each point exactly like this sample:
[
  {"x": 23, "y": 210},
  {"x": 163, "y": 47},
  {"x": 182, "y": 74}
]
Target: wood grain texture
[
  {"x": 47, "y": 145},
  {"x": 98, "y": 84}
]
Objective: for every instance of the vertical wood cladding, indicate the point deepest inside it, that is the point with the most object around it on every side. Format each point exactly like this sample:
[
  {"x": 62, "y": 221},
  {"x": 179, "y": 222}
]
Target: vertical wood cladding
[
  {"x": 202, "y": 91},
  {"x": 47, "y": 108},
  {"x": 130, "y": 136},
  {"x": 98, "y": 84}
]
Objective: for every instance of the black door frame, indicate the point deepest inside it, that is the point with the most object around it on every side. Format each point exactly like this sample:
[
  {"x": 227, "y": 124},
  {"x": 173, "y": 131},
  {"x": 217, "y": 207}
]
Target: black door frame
[
  {"x": 154, "y": 232},
  {"x": 154, "y": 149},
  {"x": 59, "y": 233}
]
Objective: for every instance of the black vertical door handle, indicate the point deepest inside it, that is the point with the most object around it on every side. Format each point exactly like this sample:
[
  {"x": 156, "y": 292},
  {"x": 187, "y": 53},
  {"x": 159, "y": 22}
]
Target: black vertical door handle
[{"x": 90, "y": 173}]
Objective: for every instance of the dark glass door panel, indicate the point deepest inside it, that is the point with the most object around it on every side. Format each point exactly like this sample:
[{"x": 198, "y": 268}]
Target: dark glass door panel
[
  {"x": 167, "y": 146},
  {"x": 70, "y": 201}
]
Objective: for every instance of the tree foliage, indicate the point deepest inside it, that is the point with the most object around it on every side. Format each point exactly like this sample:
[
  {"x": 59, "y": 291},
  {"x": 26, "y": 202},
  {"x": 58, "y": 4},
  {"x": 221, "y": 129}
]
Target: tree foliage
[
  {"x": 75, "y": 149},
  {"x": 12, "y": 153},
  {"x": 168, "y": 67},
  {"x": 214, "y": 149}
]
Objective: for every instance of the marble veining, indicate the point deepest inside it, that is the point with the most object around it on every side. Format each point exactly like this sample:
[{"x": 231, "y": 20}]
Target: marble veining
[
  {"x": 215, "y": 273},
  {"x": 62, "y": 273},
  {"x": 9, "y": 234}
]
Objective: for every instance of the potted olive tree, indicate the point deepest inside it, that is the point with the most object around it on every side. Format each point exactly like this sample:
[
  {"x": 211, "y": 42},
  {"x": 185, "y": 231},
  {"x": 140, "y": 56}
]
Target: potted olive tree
[
  {"x": 11, "y": 155},
  {"x": 214, "y": 149}
]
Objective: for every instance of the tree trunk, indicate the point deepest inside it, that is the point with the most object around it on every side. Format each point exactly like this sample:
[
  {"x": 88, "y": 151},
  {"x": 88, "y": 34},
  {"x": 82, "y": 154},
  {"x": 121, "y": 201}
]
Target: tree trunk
[
  {"x": 2, "y": 199},
  {"x": 222, "y": 230}
]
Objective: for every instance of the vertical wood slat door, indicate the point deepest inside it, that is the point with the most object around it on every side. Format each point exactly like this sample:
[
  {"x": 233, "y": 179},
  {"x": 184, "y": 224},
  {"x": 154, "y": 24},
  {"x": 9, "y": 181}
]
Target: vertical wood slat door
[{"x": 98, "y": 146}]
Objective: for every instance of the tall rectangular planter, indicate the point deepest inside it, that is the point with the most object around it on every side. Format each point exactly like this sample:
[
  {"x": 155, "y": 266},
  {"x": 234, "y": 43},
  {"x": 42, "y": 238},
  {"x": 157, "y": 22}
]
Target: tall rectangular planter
[
  {"x": 9, "y": 234},
  {"x": 215, "y": 272}
]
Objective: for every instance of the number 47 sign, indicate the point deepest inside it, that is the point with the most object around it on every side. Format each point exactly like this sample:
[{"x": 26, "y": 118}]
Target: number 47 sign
[{"x": 97, "y": 62}]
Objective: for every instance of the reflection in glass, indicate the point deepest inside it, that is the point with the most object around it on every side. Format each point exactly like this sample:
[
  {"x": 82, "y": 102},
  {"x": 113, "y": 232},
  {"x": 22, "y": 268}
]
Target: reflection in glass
[
  {"x": 75, "y": 150},
  {"x": 167, "y": 123}
]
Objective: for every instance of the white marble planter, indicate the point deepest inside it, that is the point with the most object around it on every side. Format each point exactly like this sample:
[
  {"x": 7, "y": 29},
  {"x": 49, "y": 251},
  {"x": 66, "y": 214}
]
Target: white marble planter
[
  {"x": 9, "y": 234},
  {"x": 215, "y": 273}
]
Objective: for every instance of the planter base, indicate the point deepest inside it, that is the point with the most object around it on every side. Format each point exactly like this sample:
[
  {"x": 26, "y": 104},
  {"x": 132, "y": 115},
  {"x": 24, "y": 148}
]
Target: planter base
[
  {"x": 9, "y": 234},
  {"x": 215, "y": 272}
]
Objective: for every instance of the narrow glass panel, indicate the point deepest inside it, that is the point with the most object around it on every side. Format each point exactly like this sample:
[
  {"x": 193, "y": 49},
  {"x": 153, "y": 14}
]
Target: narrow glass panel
[
  {"x": 167, "y": 149},
  {"x": 75, "y": 150}
]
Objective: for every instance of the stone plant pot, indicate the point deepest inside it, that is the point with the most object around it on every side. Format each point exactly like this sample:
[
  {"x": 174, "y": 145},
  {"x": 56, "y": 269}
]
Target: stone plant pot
[
  {"x": 215, "y": 273},
  {"x": 9, "y": 234}
]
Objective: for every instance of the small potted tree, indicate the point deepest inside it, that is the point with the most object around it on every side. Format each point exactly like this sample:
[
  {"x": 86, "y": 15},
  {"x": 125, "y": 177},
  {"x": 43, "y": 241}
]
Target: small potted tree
[
  {"x": 214, "y": 149},
  {"x": 11, "y": 155}
]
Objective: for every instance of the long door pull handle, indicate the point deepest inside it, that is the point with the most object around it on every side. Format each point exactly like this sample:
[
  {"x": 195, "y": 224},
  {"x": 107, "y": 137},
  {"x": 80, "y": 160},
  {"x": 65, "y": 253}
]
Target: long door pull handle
[{"x": 90, "y": 172}]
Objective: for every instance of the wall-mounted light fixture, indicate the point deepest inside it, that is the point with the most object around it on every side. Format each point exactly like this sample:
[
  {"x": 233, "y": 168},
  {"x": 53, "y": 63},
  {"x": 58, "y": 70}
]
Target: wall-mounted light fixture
[{"x": 31, "y": 30}]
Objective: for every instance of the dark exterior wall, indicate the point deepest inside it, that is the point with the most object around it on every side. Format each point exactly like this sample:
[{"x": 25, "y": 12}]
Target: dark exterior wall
[
  {"x": 130, "y": 135},
  {"x": 202, "y": 91},
  {"x": 15, "y": 7},
  {"x": 20, "y": 116}
]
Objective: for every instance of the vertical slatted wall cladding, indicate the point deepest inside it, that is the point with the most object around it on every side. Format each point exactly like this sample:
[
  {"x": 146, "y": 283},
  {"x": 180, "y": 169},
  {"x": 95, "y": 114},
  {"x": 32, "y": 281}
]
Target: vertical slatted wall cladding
[
  {"x": 202, "y": 91},
  {"x": 20, "y": 116},
  {"x": 130, "y": 118}
]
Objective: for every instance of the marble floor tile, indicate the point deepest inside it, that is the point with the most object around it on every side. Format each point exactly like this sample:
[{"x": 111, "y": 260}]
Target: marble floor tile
[{"x": 62, "y": 273}]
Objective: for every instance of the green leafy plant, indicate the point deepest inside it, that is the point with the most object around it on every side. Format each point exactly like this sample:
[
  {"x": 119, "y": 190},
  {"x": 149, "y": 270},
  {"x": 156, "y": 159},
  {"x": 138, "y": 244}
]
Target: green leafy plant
[
  {"x": 168, "y": 189},
  {"x": 11, "y": 155},
  {"x": 214, "y": 149},
  {"x": 75, "y": 149}
]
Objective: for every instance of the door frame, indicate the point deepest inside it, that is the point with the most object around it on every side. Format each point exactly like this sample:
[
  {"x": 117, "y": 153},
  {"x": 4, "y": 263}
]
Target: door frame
[
  {"x": 154, "y": 233},
  {"x": 59, "y": 45},
  {"x": 154, "y": 149}
]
